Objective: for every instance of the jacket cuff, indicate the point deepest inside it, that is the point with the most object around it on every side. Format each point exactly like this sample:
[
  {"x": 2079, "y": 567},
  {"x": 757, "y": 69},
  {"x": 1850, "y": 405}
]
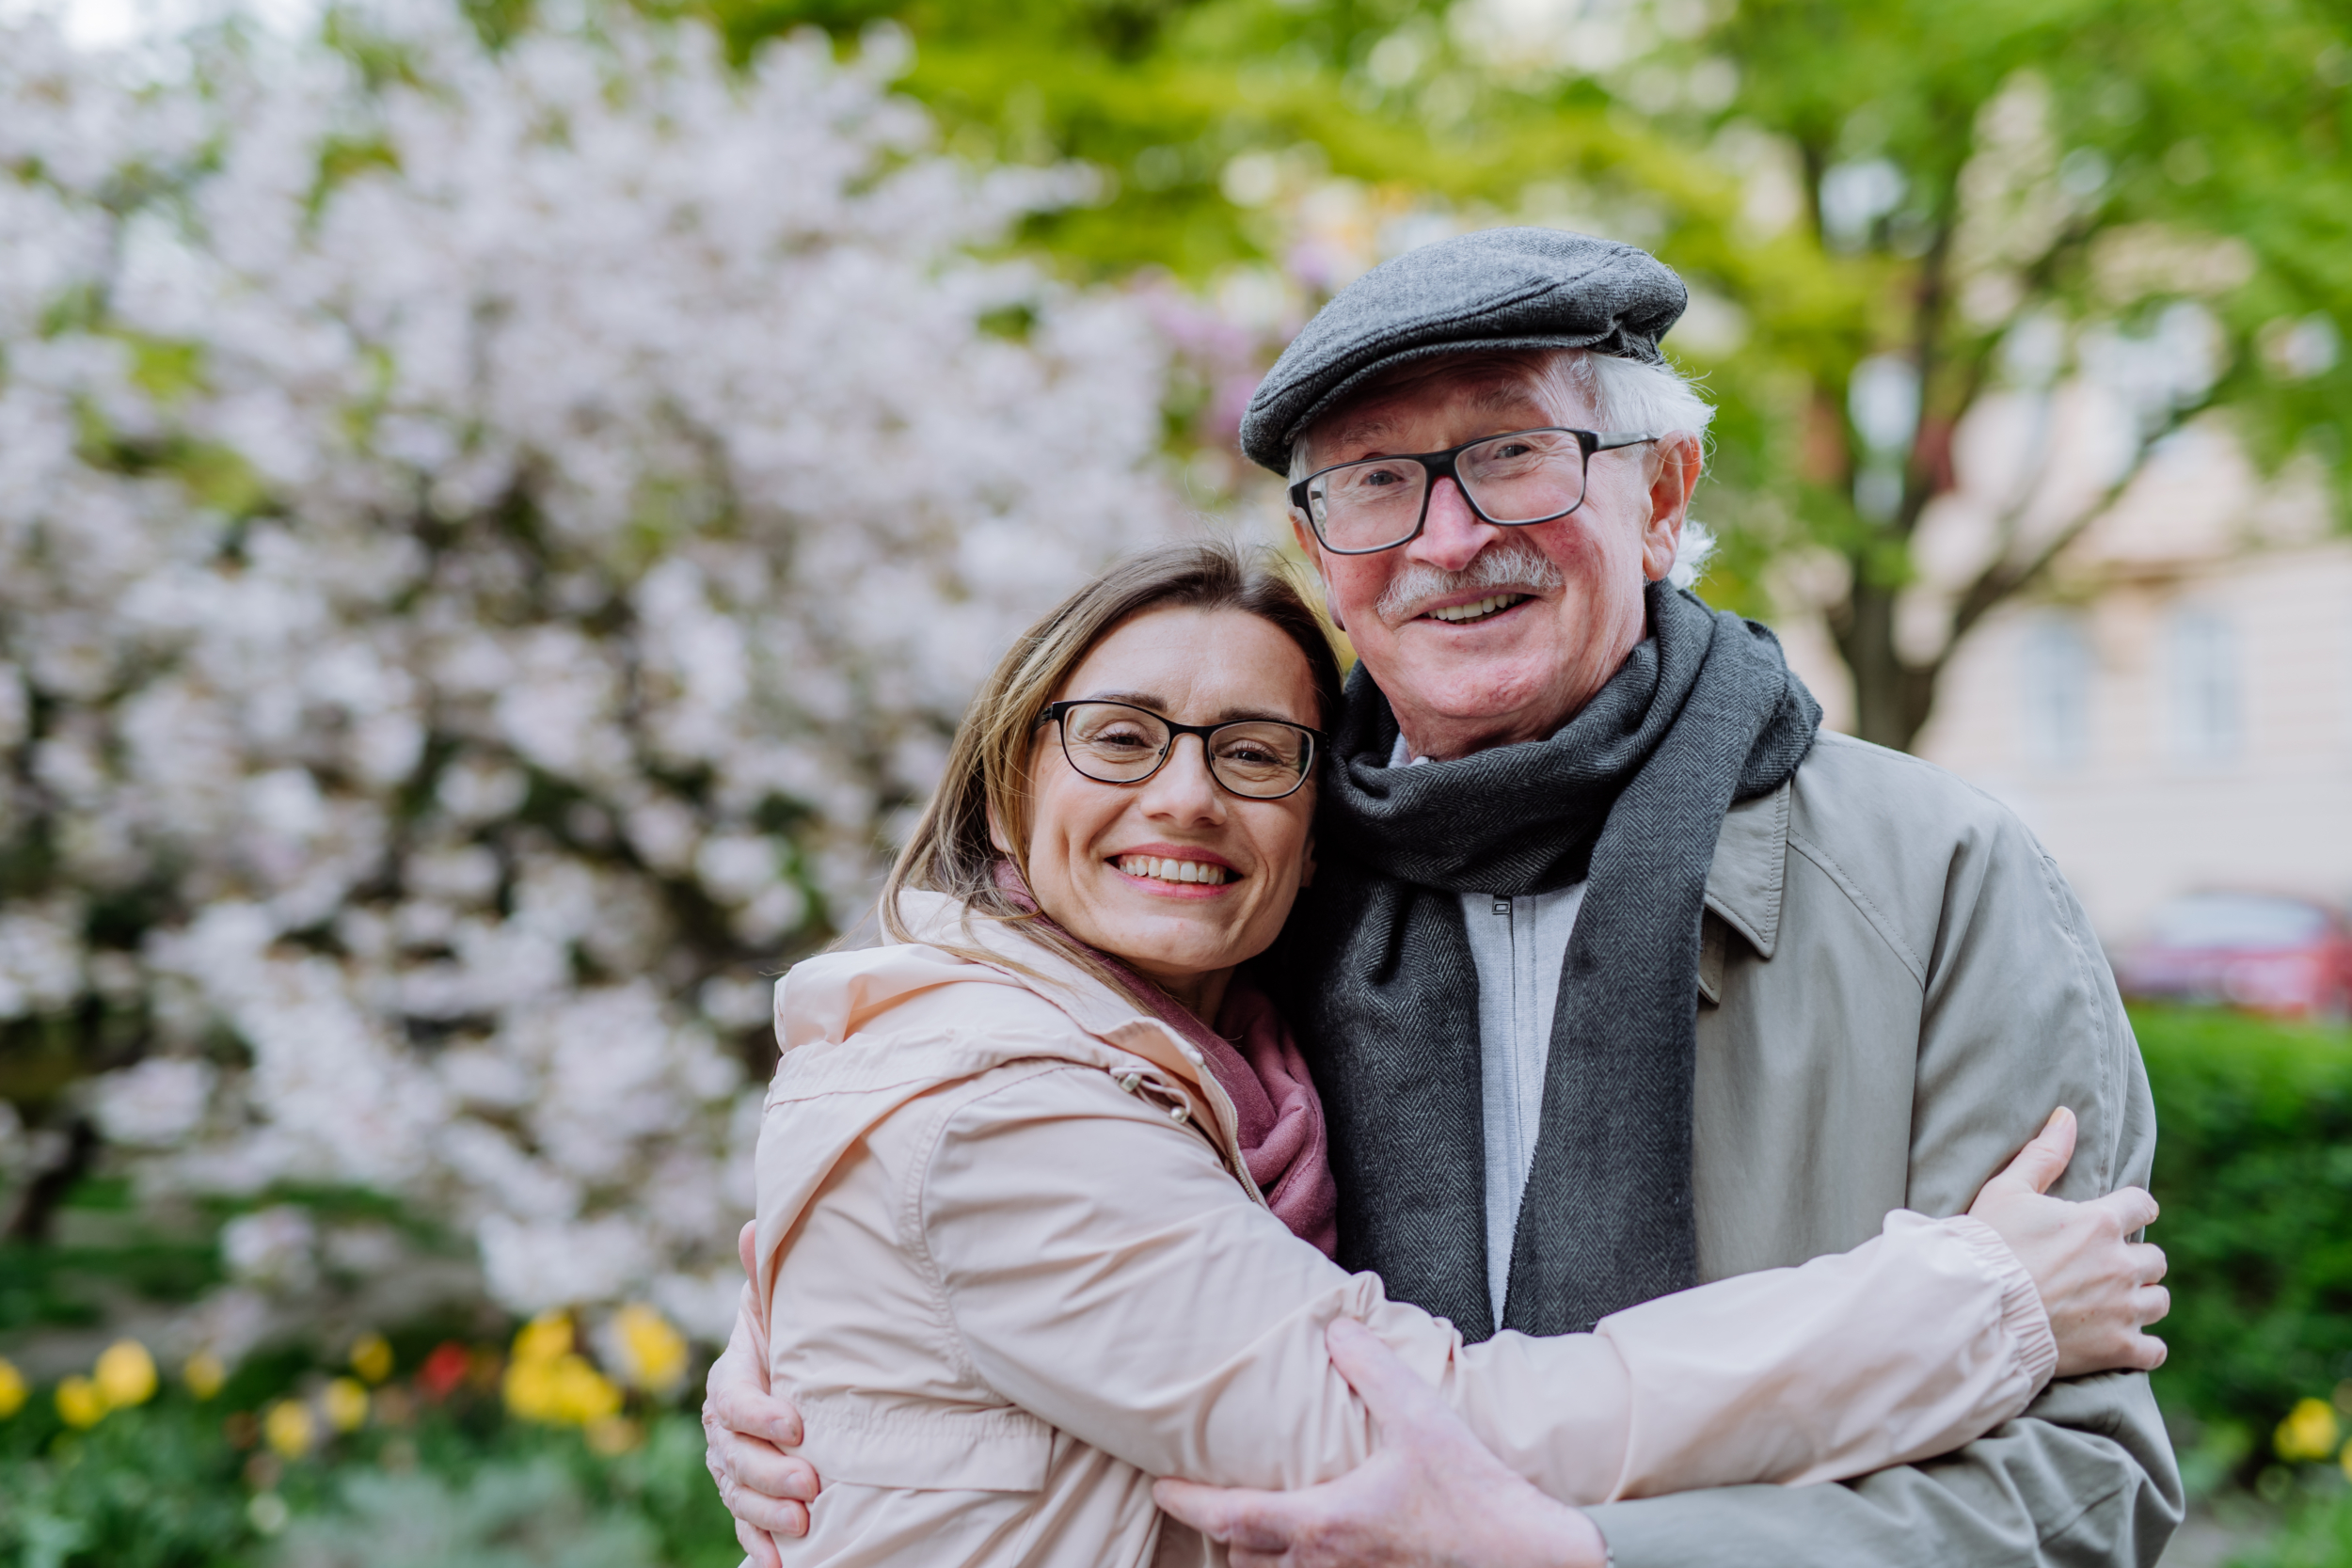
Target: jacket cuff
[{"x": 2024, "y": 1318}]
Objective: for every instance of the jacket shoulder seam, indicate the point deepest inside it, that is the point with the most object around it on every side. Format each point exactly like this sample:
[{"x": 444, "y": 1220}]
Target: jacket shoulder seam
[
  {"x": 913, "y": 1235},
  {"x": 1863, "y": 904},
  {"x": 2086, "y": 976},
  {"x": 917, "y": 1182}
]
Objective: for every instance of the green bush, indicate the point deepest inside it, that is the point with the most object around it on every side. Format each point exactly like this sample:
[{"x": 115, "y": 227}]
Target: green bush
[
  {"x": 179, "y": 1483},
  {"x": 2254, "y": 1171},
  {"x": 2317, "y": 1534}
]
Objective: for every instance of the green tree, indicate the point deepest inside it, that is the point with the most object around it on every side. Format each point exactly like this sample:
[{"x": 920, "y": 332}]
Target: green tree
[
  {"x": 1901, "y": 208},
  {"x": 2014, "y": 189}
]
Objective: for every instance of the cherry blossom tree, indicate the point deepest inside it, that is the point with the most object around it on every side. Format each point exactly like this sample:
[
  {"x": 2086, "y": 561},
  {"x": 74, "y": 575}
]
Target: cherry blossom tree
[{"x": 492, "y": 543}]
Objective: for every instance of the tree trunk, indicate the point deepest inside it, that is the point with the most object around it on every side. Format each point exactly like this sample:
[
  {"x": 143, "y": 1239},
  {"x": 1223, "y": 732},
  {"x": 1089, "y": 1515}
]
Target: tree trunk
[{"x": 1892, "y": 697}]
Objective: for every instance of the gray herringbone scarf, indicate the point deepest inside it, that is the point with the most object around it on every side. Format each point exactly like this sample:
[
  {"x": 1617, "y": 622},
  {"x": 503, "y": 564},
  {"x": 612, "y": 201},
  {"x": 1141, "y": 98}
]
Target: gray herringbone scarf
[{"x": 1375, "y": 970}]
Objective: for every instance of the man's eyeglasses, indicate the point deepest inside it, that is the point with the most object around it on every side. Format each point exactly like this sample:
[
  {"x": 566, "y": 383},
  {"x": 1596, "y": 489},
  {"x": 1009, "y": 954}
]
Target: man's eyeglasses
[
  {"x": 1260, "y": 759},
  {"x": 1527, "y": 476}
]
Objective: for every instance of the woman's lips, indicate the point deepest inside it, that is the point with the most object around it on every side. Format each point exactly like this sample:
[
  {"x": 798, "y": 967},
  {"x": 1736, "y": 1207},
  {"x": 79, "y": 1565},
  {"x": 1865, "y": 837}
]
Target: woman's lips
[{"x": 1186, "y": 875}]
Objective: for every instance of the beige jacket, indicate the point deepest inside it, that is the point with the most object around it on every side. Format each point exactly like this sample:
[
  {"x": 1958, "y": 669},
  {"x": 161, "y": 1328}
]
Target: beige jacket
[{"x": 1012, "y": 1270}]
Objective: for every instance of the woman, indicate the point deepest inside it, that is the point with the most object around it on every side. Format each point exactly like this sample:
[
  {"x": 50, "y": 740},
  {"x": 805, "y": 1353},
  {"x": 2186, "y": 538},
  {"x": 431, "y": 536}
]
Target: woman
[{"x": 1031, "y": 1232}]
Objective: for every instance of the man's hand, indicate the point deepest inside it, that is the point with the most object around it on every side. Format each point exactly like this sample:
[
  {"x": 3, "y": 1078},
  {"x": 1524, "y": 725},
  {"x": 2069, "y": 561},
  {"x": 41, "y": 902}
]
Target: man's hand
[
  {"x": 744, "y": 1428},
  {"x": 1431, "y": 1498}
]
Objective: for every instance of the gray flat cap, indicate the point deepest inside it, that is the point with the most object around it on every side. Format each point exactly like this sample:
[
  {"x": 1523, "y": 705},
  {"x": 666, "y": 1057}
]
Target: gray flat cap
[{"x": 1495, "y": 289}]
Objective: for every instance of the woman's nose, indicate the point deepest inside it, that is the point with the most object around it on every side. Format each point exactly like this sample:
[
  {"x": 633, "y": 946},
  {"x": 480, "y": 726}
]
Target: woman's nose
[{"x": 1183, "y": 787}]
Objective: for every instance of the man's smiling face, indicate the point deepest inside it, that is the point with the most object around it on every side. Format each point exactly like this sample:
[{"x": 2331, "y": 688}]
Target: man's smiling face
[{"x": 1478, "y": 635}]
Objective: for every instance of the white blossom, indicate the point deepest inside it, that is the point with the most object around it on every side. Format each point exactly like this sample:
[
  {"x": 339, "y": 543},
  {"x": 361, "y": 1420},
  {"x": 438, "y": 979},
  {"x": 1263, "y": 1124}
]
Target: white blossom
[{"x": 487, "y": 551}]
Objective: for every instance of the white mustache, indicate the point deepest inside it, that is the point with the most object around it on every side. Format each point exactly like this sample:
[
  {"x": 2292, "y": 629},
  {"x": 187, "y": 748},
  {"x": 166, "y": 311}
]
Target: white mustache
[{"x": 1511, "y": 566}]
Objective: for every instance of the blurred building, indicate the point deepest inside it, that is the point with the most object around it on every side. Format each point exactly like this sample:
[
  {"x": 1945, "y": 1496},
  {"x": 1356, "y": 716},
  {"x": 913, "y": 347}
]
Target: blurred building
[{"x": 2174, "y": 712}]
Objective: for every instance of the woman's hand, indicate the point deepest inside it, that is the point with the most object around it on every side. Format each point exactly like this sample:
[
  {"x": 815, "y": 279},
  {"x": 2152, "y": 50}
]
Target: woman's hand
[{"x": 2099, "y": 1287}]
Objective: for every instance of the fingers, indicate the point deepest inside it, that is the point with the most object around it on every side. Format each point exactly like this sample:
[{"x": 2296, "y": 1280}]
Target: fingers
[
  {"x": 756, "y": 1513},
  {"x": 736, "y": 1404},
  {"x": 1248, "y": 1521},
  {"x": 760, "y": 1470},
  {"x": 2043, "y": 1161},
  {"x": 2148, "y": 1263},
  {"x": 2130, "y": 1209},
  {"x": 759, "y": 1550},
  {"x": 1396, "y": 1397}
]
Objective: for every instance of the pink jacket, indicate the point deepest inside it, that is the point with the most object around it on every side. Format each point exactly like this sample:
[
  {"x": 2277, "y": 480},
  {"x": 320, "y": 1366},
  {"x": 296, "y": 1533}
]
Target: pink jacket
[{"x": 1010, "y": 1268}]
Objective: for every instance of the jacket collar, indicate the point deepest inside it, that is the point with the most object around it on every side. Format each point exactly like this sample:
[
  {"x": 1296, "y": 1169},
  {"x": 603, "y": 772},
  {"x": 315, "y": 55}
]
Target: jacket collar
[
  {"x": 935, "y": 918},
  {"x": 1744, "y": 885}
]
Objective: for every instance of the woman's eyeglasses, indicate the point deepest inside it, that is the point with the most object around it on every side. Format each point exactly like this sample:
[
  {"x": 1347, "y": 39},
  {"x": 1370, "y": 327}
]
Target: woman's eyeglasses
[{"x": 1260, "y": 759}]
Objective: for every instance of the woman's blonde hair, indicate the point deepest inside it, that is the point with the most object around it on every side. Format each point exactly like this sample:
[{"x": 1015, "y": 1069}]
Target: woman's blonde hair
[{"x": 950, "y": 851}]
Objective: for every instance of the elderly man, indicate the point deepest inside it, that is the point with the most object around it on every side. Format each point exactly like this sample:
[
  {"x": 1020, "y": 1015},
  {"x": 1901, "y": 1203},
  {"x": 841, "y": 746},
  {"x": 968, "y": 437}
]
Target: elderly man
[{"x": 1616, "y": 976}]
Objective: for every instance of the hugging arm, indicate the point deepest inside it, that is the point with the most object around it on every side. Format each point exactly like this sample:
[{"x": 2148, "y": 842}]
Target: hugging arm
[
  {"x": 1435, "y": 1498},
  {"x": 1907, "y": 1345},
  {"x": 1096, "y": 1269}
]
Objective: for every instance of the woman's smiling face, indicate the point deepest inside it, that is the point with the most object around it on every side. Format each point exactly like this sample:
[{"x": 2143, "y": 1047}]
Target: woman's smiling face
[{"x": 1099, "y": 853}]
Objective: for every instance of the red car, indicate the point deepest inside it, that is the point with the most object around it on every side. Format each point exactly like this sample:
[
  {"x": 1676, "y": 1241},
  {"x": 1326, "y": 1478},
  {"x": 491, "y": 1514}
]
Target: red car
[{"x": 2266, "y": 951}]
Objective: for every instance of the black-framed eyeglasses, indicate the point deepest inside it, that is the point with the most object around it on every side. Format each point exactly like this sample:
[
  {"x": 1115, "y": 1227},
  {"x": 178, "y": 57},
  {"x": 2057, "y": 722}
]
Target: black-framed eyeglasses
[
  {"x": 1259, "y": 759},
  {"x": 1525, "y": 475}
]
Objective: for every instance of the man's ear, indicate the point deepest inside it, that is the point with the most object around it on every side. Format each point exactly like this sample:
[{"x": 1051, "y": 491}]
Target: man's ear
[
  {"x": 1312, "y": 549},
  {"x": 1307, "y": 863},
  {"x": 1678, "y": 463}
]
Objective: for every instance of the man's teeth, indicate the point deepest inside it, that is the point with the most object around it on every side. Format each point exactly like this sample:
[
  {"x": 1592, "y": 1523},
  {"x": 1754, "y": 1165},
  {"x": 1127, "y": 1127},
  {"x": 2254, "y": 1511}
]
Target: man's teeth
[
  {"x": 1484, "y": 606},
  {"x": 1171, "y": 871}
]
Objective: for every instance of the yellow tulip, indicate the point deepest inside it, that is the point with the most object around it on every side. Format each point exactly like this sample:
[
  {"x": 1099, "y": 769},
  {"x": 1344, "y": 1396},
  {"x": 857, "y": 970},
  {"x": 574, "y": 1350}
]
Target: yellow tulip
[
  {"x": 372, "y": 1357},
  {"x": 204, "y": 1374},
  {"x": 126, "y": 1374},
  {"x": 583, "y": 1394},
  {"x": 345, "y": 1402},
  {"x": 654, "y": 1350},
  {"x": 11, "y": 1388},
  {"x": 290, "y": 1428},
  {"x": 79, "y": 1402},
  {"x": 530, "y": 1389},
  {"x": 2310, "y": 1431},
  {"x": 545, "y": 1337}
]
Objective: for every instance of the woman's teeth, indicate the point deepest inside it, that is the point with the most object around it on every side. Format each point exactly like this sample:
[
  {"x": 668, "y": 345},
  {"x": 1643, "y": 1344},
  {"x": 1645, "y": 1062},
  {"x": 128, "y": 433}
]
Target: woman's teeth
[
  {"x": 1172, "y": 871},
  {"x": 1491, "y": 605}
]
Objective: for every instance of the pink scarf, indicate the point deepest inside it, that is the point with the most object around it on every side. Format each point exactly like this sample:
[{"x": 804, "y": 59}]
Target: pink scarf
[{"x": 1277, "y": 1114}]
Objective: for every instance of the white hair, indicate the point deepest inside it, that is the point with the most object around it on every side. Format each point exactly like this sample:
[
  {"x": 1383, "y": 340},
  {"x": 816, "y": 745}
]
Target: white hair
[{"x": 1624, "y": 395}]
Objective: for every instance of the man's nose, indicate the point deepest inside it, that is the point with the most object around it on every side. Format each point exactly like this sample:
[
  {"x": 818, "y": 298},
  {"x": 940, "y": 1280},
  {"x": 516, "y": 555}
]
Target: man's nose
[
  {"x": 1183, "y": 789},
  {"x": 1452, "y": 535}
]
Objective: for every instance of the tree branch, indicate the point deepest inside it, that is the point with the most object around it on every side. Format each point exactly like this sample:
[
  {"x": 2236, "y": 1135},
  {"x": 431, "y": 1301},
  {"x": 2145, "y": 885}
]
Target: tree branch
[{"x": 2006, "y": 576}]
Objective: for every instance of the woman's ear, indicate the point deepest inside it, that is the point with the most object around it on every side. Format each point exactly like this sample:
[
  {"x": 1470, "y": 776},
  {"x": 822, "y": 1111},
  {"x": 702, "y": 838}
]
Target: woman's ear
[{"x": 996, "y": 834}]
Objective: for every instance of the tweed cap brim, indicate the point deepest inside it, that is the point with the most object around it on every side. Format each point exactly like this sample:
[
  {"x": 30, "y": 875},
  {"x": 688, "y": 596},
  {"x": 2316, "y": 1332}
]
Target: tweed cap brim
[{"x": 1495, "y": 289}]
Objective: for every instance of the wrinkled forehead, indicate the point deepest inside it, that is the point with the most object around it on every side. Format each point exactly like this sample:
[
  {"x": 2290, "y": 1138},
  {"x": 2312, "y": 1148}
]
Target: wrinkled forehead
[{"x": 1510, "y": 387}]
